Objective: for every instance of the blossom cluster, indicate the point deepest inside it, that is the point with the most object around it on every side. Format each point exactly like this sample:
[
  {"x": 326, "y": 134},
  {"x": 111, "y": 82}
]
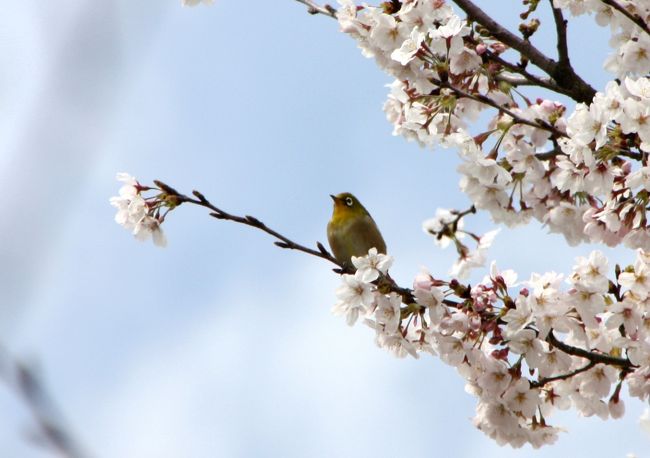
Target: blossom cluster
[
  {"x": 518, "y": 346},
  {"x": 447, "y": 227},
  {"x": 136, "y": 213},
  {"x": 584, "y": 175},
  {"x": 632, "y": 45},
  {"x": 421, "y": 45}
]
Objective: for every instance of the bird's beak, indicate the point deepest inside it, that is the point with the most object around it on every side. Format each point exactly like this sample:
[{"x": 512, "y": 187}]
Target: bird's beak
[{"x": 333, "y": 197}]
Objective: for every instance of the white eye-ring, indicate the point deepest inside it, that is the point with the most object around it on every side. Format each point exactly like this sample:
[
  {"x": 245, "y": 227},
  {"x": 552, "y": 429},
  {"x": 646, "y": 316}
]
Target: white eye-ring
[{"x": 349, "y": 201}]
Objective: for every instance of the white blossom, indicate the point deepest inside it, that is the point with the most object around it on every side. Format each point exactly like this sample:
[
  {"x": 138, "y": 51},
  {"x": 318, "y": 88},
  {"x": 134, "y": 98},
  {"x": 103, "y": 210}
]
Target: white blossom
[
  {"x": 370, "y": 266},
  {"x": 355, "y": 297}
]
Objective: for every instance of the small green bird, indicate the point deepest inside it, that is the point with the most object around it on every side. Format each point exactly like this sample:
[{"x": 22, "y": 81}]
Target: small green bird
[{"x": 352, "y": 231}]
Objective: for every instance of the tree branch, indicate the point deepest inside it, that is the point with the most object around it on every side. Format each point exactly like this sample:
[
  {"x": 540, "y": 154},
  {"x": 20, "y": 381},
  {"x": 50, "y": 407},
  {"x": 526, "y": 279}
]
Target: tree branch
[
  {"x": 546, "y": 83},
  {"x": 575, "y": 86},
  {"x": 560, "y": 29},
  {"x": 499, "y": 32},
  {"x": 596, "y": 358},
  {"x": 538, "y": 123},
  {"x": 638, "y": 20},
  {"x": 315, "y": 8},
  {"x": 21, "y": 378},
  {"x": 173, "y": 196},
  {"x": 282, "y": 241},
  {"x": 545, "y": 156},
  {"x": 543, "y": 381}
]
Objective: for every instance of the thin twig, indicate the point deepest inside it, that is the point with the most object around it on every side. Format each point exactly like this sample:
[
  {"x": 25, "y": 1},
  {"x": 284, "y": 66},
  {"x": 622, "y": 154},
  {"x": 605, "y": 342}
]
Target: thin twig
[
  {"x": 22, "y": 379},
  {"x": 315, "y": 8},
  {"x": 580, "y": 90},
  {"x": 543, "y": 381},
  {"x": 557, "y": 152},
  {"x": 546, "y": 83},
  {"x": 630, "y": 154},
  {"x": 282, "y": 242},
  {"x": 638, "y": 20},
  {"x": 538, "y": 123},
  {"x": 593, "y": 357}
]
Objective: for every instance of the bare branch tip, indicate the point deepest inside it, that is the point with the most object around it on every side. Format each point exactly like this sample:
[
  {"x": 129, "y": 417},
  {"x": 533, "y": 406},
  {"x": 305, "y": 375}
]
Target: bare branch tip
[
  {"x": 199, "y": 196},
  {"x": 322, "y": 248},
  {"x": 252, "y": 220}
]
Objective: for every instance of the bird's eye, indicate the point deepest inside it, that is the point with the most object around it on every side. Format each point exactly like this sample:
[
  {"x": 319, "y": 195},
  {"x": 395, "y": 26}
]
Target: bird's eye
[{"x": 349, "y": 201}]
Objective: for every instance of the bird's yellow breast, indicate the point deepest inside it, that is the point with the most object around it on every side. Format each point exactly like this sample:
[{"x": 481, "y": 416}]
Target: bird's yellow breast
[{"x": 353, "y": 235}]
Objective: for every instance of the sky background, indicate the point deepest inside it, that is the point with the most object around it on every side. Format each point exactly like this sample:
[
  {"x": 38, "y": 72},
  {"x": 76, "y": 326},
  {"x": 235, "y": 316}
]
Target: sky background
[{"x": 222, "y": 344}]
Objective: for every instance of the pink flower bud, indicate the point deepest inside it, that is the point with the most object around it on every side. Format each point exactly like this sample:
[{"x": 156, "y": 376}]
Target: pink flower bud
[
  {"x": 498, "y": 48},
  {"x": 423, "y": 281},
  {"x": 616, "y": 407}
]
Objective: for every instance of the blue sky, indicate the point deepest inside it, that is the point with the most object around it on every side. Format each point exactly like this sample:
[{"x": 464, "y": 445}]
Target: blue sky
[{"x": 222, "y": 344}]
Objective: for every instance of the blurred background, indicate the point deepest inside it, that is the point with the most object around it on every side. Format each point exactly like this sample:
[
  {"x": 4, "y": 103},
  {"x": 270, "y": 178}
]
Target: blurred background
[{"x": 222, "y": 345}]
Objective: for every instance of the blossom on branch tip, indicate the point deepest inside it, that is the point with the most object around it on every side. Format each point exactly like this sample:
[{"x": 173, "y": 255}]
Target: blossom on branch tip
[
  {"x": 135, "y": 213},
  {"x": 441, "y": 226}
]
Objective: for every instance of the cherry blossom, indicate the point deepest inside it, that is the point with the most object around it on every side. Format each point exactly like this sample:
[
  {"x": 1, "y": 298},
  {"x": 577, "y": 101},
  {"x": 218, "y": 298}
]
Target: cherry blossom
[
  {"x": 371, "y": 266},
  {"x": 137, "y": 214}
]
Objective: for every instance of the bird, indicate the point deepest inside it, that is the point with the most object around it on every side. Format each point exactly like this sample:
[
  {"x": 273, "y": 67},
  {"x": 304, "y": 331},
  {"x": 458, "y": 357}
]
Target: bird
[{"x": 352, "y": 231}]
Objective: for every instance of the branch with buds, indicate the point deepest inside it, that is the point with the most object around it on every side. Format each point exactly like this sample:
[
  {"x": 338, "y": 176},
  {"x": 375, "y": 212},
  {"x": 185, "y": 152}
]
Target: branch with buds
[{"x": 502, "y": 336}]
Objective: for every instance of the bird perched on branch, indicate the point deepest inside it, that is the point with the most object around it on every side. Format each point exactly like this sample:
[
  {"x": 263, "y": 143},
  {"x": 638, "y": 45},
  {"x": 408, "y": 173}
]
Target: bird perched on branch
[{"x": 352, "y": 231}]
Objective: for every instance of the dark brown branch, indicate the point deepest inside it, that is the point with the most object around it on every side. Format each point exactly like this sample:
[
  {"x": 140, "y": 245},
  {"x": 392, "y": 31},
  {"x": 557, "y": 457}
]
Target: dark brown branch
[
  {"x": 451, "y": 227},
  {"x": 176, "y": 198},
  {"x": 560, "y": 30},
  {"x": 543, "y": 381},
  {"x": 21, "y": 378},
  {"x": 575, "y": 86},
  {"x": 315, "y": 8},
  {"x": 557, "y": 152},
  {"x": 545, "y": 156},
  {"x": 462, "y": 214},
  {"x": 282, "y": 241},
  {"x": 596, "y": 358},
  {"x": 546, "y": 83},
  {"x": 502, "y": 34},
  {"x": 638, "y": 20},
  {"x": 630, "y": 154},
  {"x": 538, "y": 123}
]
